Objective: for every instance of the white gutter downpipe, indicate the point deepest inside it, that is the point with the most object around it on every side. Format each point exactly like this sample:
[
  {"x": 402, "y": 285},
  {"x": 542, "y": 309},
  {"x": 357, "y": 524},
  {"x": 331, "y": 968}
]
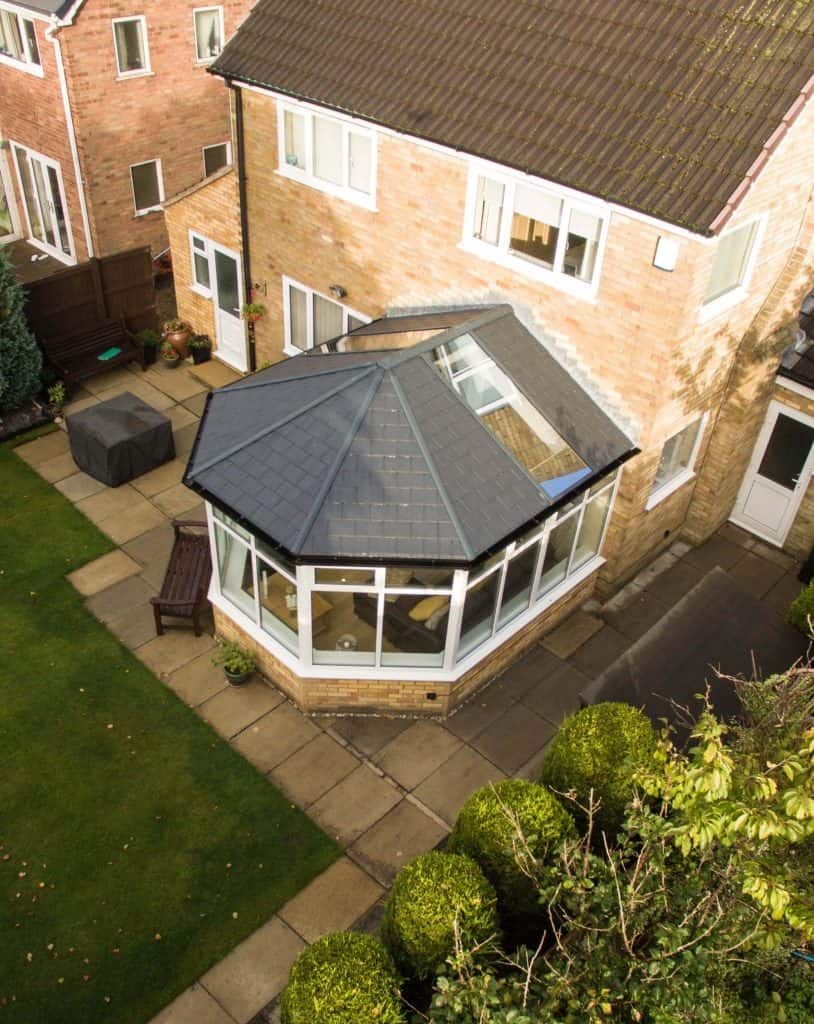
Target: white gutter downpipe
[{"x": 66, "y": 104}]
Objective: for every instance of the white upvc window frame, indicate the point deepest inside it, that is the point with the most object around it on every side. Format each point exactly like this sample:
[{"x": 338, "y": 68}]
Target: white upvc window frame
[
  {"x": 28, "y": 65},
  {"x": 716, "y": 307},
  {"x": 305, "y": 175},
  {"x": 136, "y": 72},
  {"x": 288, "y": 282},
  {"x": 56, "y": 251},
  {"x": 8, "y": 188},
  {"x": 204, "y": 61},
  {"x": 684, "y": 476},
  {"x": 206, "y": 253},
  {"x": 217, "y": 145},
  {"x": 501, "y": 254},
  {"x": 142, "y": 212}
]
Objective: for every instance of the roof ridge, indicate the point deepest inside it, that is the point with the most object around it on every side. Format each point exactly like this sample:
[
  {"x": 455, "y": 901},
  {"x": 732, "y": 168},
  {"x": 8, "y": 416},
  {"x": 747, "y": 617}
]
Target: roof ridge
[
  {"x": 258, "y": 435},
  {"x": 419, "y": 438},
  {"x": 249, "y": 385}
]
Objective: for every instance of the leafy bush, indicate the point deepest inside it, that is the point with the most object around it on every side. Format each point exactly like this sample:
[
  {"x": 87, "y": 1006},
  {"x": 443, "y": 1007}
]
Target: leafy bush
[
  {"x": 801, "y": 608},
  {"x": 427, "y": 897},
  {"x": 20, "y": 358},
  {"x": 600, "y": 747},
  {"x": 342, "y": 979},
  {"x": 486, "y": 829}
]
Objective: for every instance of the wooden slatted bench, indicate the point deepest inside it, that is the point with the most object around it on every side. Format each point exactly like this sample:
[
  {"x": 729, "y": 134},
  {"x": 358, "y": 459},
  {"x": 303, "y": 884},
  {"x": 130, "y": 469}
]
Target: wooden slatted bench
[
  {"x": 186, "y": 581},
  {"x": 75, "y": 357}
]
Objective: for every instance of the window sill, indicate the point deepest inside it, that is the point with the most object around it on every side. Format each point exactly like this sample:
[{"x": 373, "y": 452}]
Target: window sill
[
  {"x": 337, "y": 191},
  {"x": 149, "y": 210},
  {"x": 570, "y": 285},
  {"x": 127, "y": 76},
  {"x": 206, "y": 62},
  {"x": 717, "y": 307},
  {"x": 205, "y": 293},
  {"x": 663, "y": 492},
  {"x": 22, "y": 65}
]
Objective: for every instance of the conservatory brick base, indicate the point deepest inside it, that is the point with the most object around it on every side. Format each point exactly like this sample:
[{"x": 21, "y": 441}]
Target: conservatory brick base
[{"x": 401, "y": 696}]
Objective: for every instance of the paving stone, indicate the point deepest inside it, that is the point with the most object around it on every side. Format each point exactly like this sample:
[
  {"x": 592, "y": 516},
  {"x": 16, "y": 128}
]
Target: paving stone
[
  {"x": 513, "y": 738},
  {"x": 195, "y": 1006},
  {"x": 600, "y": 651},
  {"x": 773, "y": 554},
  {"x": 139, "y": 518},
  {"x": 135, "y": 628},
  {"x": 119, "y": 377},
  {"x": 274, "y": 737},
  {"x": 176, "y": 384},
  {"x": 676, "y": 582},
  {"x": 332, "y": 902},
  {"x": 715, "y": 551},
  {"x": 78, "y": 486},
  {"x": 255, "y": 971},
  {"x": 58, "y": 468},
  {"x": 736, "y": 535},
  {"x": 638, "y": 615},
  {"x": 755, "y": 574},
  {"x": 215, "y": 374},
  {"x": 122, "y": 598},
  {"x": 416, "y": 753},
  {"x": 531, "y": 769},
  {"x": 198, "y": 680},
  {"x": 354, "y": 804},
  {"x": 557, "y": 696},
  {"x": 368, "y": 733},
  {"x": 782, "y": 593},
  {"x": 524, "y": 674},
  {"x": 402, "y": 834},
  {"x": 445, "y": 791},
  {"x": 313, "y": 769},
  {"x": 185, "y": 438},
  {"x": 235, "y": 708},
  {"x": 103, "y": 573},
  {"x": 152, "y": 551},
  {"x": 196, "y": 403},
  {"x": 179, "y": 416},
  {"x": 656, "y": 568},
  {"x": 142, "y": 389},
  {"x": 108, "y": 502},
  {"x": 161, "y": 478},
  {"x": 477, "y": 713},
  {"x": 43, "y": 448},
  {"x": 369, "y": 924},
  {"x": 164, "y": 654},
  {"x": 176, "y": 501},
  {"x": 571, "y": 634},
  {"x": 78, "y": 404}
]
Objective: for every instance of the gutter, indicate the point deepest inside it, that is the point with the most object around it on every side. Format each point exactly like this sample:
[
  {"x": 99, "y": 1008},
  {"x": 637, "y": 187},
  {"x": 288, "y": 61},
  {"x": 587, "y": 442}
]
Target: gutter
[{"x": 240, "y": 159}]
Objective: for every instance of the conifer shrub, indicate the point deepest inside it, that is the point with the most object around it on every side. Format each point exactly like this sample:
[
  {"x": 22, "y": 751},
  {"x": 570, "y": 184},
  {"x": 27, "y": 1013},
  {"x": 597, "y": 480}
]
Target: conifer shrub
[{"x": 20, "y": 357}]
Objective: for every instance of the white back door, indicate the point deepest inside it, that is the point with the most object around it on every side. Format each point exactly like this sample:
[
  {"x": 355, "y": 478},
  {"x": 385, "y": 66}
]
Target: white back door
[{"x": 227, "y": 296}]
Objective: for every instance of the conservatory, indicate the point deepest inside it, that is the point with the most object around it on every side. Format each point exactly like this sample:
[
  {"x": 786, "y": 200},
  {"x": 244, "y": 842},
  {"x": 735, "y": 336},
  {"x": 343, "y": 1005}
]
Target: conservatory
[{"x": 399, "y": 503}]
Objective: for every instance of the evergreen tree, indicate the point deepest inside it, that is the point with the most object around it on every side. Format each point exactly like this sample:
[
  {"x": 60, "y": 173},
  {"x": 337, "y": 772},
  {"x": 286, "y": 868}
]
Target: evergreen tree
[{"x": 20, "y": 357}]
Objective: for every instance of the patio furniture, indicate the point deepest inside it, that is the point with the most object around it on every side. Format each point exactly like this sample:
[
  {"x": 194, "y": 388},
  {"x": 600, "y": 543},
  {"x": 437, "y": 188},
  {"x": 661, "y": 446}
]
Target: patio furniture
[
  {"x": 120, "y": 439},
  {"x": 92, "y": 350},
  {"x": 186, "y": 581}
]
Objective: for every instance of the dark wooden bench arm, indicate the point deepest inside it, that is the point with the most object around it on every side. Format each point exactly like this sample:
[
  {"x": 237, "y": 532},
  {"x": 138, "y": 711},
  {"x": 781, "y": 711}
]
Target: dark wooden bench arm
[{"x": 177, "y": 524}]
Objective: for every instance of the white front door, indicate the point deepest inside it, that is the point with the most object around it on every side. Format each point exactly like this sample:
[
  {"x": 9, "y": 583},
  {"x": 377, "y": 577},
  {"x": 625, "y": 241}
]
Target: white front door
[
  {"x": 45, "y": 205},
  {"x": 778, "y": 474},
  {"x": 226, "y": 294}
]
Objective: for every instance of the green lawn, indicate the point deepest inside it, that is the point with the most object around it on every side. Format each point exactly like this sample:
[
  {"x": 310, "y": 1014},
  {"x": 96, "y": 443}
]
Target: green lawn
[{"x": 136, "y": 847}]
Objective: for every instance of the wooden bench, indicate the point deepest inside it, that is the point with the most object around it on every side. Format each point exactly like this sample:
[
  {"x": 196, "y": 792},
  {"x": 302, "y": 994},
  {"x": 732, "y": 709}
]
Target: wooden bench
[
  {"x": 186, "y": 581},
  {"x": 75, "y": 357}
]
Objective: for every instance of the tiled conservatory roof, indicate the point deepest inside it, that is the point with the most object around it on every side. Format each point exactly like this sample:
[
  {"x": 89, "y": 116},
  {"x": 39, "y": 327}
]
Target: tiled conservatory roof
[{"x": 374, "y": 455}]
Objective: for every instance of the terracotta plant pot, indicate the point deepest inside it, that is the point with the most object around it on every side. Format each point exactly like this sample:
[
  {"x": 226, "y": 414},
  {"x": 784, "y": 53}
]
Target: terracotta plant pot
[
  {"x": 180, "y": 342},
  {"x": 171, "y": 363}
]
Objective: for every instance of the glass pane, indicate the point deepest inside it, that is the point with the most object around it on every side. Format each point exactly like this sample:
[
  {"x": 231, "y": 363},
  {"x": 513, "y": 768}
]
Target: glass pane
[
  {"x": 479, "y": 608},
  {"x": 354, "y": 322},
  {"x": 280, "y": 562},
  {"x": 463, "y": 353},
  {"x": 129, "y": 50},
  {"x": 590, "y": 533},
  {"x": 361, "y": 162},
  {"x": 201, "y": 270},
  {"x": 786, "y": 452},
  {"x": 676, "y": 455},
  {"x": 435, "y": 579},
  {"x": 328, "y": 320},
  {"x": 145, "y": 185},
  {"x": 517, "y": 588},
  {"x": 59, "y": 211},
  {"x": 298, "y": 317},
  {"x": 581, "y": 245},
  {"x": 235, "y": 569},
  {"x": 328, "y": 150},
  {"x": 228, "y": 287},
  {"x": 535, "y": 225},
  {"x": 278, "y": 605},
  {"x": 32, "y": 209},
  {"x": 215, "y": 157},
  {"x": 31, "y": 39},
  {"x": 414, "y": 629},
  {"x": 294, "y": 139},
  {"x": 731, "y": 259},
  {"x": 208, "y": 42},
  {"x": 485, "y": 387},
  {"x": 11, "y": 43},
  {"x": 555, "y": 562},
  {"x": 357, "y": 577},
  {"x": 216, "y": 512},
  {"x": 44, "y": 201},
  {"x": 344, "y": 627},
  {"x": 6, "y": 224},
  {"x": 488, "y": 210}
]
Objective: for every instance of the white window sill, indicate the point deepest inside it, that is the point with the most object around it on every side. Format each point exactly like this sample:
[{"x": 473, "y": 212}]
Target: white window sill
[
  {"x": 337, "y": 191},
  {"x": 149, "y": 209},
  {"x": 291, "y": 350},
  {"x": 712, "y": 310},
  {"x": 570, "y": 285},
  {"x": 22, "y": 65},
  {"x": 669, "y": 488},
  {"x": 126, "y": 76},
  {"x": 206, "y": 61},
  {"x": 205, "y": 293}
]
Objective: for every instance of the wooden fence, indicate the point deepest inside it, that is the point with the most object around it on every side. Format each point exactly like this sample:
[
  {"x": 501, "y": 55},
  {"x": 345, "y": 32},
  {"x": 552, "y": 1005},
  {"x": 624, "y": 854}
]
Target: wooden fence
[{"x": 78, "y": 298}]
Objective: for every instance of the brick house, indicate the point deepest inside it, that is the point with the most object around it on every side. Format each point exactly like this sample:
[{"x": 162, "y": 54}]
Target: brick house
[
  {"x": 106, "y": 107},
  {"x": 633, "y": 180}
]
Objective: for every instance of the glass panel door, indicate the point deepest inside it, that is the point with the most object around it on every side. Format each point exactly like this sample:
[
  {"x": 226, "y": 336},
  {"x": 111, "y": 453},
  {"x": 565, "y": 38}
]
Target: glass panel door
[
  {"x": 228, "y": 290},
  {"x": 44, "y": 202},
  {"x": 8, "y": 226},
  {"x": 58, "y": 208},
  {"x": 786, "y": 452}
]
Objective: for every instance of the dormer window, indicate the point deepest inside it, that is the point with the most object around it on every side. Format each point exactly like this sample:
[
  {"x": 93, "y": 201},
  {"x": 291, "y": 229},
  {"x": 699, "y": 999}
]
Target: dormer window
[{"x": 18, "y": 40}]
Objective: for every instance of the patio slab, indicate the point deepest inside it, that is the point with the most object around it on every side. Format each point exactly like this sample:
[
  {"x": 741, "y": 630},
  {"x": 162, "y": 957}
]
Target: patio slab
[
  {"x": 557, "y": 696},
  {"x": 755, "y": 574},
  {"x": 198, "y": 680},
  {"x": 57, "y": 468},
  {"x": 571, "y": 634},
  {"x": 368, "y": 733},
  {"x": 332, "y": 902},
  {"x": 235, "y": 708},
  {"x": 153, "y": 396},
  {"x": 215, "y": 374},
  {"x": 179, "y": 416},
  {"x": 480, "y": 711},
  {"x": 185, "y": 438},
  {"x": 671, "y": 586},
  {"x": 103, "y": 573},
  {"x": 445, "y": 791},
  {"x": 416, "y": 753},
  {"x": 196, "y": 403},
  {"x": 134, "y": 628},
  {"x": 195, "y": 1006},
  {"x": 782, "y": 593},
  {"x": 600, "y": 651},
  {"x": 255, "y": 971},
  {"x": 139, "y": 518},
  {"x": 272, "y": 738},
  {"x": 176, "y": 647},
  {"x": 43, "y": 448},
  {"x": 401, "y": 835},
  {"x": 122, "y": 598},
  {"x": 313, "y": 769},
  {"x": 354, "y": 804},
  {"x": 108, "y": 502},
  {"x": 179, "y": 386},
  {"x": 176, "y": 501},
  {"x": 634, "y": 618},
  {"x": 162, "y": 478},
  {"x": 78, "y": 485},
  {"x": 117, "y": 377},
  {"x": 718, "y": 550},
  {"x": 513, "y": 738}
]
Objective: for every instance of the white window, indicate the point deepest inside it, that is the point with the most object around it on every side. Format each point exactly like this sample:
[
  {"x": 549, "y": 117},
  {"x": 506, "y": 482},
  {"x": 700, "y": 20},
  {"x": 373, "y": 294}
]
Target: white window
[
  {"x": 535, "y": 229},
  {"x": 148, "y": 186},
  {"x": 327, "y": 153},
  {"x": 199, "y": 258},
  {"x": 733, "y": 264},
  {"x": 208, "y": 33},
  {"x": 18, "y": 41},
  {"x": 312, "y": 319},
  {"x": 132, "y": 53},
  {"x": 215, "y": 157},
  {"x": 677, "y": 460}
]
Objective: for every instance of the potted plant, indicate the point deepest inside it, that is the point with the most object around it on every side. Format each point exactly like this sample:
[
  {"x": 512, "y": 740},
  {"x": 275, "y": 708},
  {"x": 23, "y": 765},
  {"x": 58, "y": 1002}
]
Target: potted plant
[
  {"x": 201, "y": 348},
  {"x": 150, "y": 342},
  {"x": 56, "y": 399},
  {"x": 178, "y": 333},
  {"x": 237, "y": 663},
  {"x": 169, "y": 356},
  {"x": 252, "y": 311}
]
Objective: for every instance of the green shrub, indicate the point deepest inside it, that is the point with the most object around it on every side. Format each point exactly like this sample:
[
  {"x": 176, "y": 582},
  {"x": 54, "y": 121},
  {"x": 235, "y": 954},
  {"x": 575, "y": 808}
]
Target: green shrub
[
  {"x": 20, "y": 358},
  {"x": 485, "y": 830},
  {"x": 801, "y": 608},
  {"x": 427, "y": 896},
  {"x": 342, "y": 979},
  {"x": 600, "y": 747}
]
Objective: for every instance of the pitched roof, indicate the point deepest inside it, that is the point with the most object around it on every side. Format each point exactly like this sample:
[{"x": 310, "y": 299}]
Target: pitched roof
[
  {"x": 373, "y": 455},
  {"x": 662, "y": 106}
]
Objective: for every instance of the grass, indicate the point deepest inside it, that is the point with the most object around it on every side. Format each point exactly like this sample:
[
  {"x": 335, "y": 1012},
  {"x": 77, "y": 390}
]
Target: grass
[{"x": 136, "y": 847}]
